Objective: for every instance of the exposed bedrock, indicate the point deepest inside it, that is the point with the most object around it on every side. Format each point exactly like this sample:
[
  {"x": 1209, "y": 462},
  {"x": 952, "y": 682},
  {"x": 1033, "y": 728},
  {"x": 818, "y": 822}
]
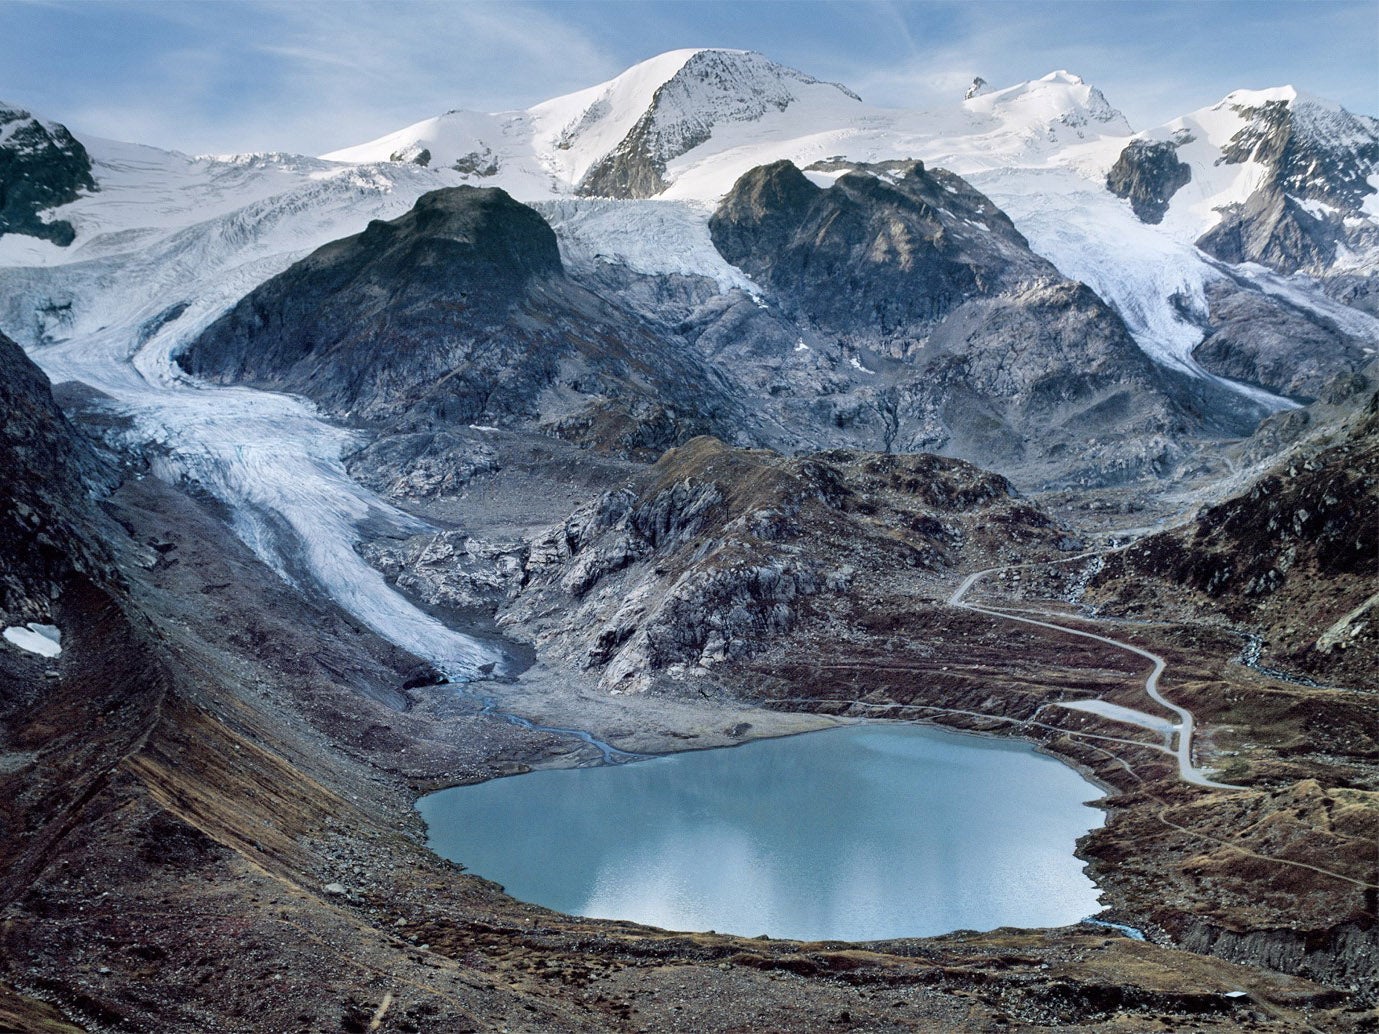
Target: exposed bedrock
[
  {"x": 1148, "y": 175},
  {"x": 1259, "y": 339},
  {"x": 42, "y": 166},
  {"x": 460, "y": 312}
]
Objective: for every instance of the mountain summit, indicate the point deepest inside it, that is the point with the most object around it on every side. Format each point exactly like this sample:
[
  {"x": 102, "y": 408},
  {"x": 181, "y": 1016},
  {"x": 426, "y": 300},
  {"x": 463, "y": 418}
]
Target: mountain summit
[
  {"x": 615, "y": 138},
  {"x": 712, "y": 88}
]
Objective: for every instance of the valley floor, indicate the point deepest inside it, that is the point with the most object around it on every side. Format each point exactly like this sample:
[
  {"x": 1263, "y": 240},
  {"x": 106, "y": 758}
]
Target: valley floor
[{"x": 233, "y": 844}]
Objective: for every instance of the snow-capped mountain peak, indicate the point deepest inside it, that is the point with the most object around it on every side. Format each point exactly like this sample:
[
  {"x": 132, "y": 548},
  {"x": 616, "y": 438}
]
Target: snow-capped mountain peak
[
  {"x": 613, "y": 138},
  {"x": 1249, "y": 116},
  {"x": 712, "y": 88},
  {"x": 587, "y": 124},
  {"x": 1060, "y": 105},
  {"x": 1281, "y": 140}
]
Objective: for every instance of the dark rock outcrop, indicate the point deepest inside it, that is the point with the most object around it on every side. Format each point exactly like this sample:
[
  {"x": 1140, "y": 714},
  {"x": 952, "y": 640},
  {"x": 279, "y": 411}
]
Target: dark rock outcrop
[
  {"x": 47, "y": 516},
  {"x": 1345, "y": 956},
  {"x": 953, "y": 335},
  {"x": 1275, "y": 230},
  {"x": 891, "y": 250},
  {"x": 1148, "y": 175},
  {"x": 715, "y": 553},
  {"x": 459, "y": 312},
  {"x": 1263, "y": 340},
  {"x": 41, "y": 166}
]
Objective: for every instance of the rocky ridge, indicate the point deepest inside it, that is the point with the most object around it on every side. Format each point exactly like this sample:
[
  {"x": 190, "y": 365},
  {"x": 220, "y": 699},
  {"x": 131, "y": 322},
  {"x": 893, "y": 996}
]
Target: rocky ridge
[
  {"x": 42, "y": 166},
  {"x": 956, "y": 337},
  {"x": 952, "y": 336},
  {"x": 715, "y": 552},
  {"x": 1317, "y": 160},
  {"x": 49, "y": 521},
  {"x": 459, "y": 312},
  {"x": 1295, "y": 557}
]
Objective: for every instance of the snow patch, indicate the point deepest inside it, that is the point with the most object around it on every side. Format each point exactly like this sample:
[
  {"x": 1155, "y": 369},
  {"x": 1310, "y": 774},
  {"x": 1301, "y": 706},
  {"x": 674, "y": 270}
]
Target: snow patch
[
  {"x": 44, "y": 640},
  {"x": 1116, "y": 713}
]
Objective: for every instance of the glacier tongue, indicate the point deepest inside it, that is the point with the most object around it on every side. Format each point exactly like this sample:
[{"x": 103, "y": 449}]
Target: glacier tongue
[
  {"x": 269, "y": 458},
  {"x": 277, "y": 465},
  {"x": 1151, "y": 278}
]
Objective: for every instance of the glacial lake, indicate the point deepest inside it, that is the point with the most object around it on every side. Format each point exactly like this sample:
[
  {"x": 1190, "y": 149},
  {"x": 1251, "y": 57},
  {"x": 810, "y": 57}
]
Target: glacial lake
[{"x": 857, "y": 833}]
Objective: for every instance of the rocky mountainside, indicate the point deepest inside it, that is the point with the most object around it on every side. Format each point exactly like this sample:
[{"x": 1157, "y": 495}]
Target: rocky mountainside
[
  {"x": 245, "y": 711},
  {"x": 42, "y": 167},
  {"x": 49, "y": 523},
  {"x": 459, "y": 312},
  {"x": 960, "y": 339},
  {"x": 1316, "y": 160},
  {"x": 1294, "y": 557},
  {"x": 1254, "y": 337},
  {"x": 950, "y": 334},
  {"x": 900, "y": 245},
  {"x": 714, "y": 553}
]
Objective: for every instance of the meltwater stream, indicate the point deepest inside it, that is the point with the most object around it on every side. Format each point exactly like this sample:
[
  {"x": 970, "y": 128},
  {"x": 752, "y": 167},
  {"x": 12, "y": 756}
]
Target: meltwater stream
[{"x": 859, "y": 833}]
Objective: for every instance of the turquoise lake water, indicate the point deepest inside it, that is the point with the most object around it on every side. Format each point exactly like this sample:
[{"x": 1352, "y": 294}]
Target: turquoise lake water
[{"x": 856, "y": 833}]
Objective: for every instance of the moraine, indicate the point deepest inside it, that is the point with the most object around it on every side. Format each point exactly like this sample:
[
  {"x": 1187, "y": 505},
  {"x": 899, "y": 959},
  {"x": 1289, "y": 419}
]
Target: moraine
[{"x": 861, "y": 833}]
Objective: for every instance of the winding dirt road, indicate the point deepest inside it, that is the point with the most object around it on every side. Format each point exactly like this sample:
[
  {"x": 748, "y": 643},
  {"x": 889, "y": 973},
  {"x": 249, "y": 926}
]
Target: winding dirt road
[{"x": 1189, "y": 772}]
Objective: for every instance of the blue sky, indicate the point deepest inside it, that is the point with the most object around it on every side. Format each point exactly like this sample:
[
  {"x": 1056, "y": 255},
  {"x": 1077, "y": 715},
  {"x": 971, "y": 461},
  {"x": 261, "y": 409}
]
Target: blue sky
[{"x": 307, "y": 76}]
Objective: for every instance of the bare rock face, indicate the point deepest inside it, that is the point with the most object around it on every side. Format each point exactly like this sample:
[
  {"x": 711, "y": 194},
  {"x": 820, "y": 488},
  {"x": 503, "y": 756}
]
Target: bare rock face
[
  {"x": 955, "y": 337},
  {"x": 459, "y": 312},
  {"x": 47, "y": 516},
  {"x": 1319, "y": 161},
  {"x": 715, "y": 553},
  {"x": 355, "y": 315},
  {"x": 1148, "y": 175},
  {"x": 41, "y": 166},
  {"x": 890, "y": 244},
  {"x": 1259, "y": 339},
  {"x": 453, "y": 573},
  {"x": 1275, "y": 230}
]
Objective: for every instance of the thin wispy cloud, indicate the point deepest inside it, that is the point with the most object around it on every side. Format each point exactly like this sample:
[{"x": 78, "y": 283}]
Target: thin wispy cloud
[{"x": 314, "y": 75}]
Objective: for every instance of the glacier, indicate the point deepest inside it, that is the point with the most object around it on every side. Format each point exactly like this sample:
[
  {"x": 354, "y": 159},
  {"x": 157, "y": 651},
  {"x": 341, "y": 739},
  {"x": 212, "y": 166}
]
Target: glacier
[{"x": 171, "y": 241}]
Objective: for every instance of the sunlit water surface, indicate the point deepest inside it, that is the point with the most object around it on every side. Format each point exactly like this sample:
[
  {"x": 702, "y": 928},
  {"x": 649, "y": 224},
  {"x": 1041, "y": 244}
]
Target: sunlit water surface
[{"x": 857, "y": 833}]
